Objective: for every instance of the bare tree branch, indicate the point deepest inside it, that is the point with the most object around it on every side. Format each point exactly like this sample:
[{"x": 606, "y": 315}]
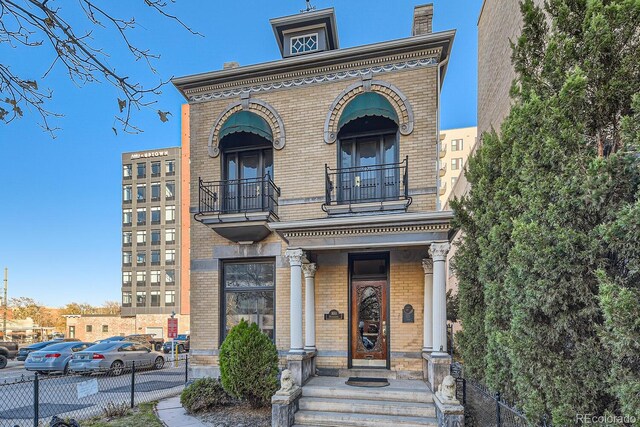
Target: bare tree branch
[{"x": 38, "y": 23}]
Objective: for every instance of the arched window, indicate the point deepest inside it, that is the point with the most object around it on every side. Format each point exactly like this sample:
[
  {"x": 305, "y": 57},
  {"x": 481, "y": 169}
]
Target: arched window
[
  {"x": 368, "y": 150},
  {"x": 246, "y": 143}
]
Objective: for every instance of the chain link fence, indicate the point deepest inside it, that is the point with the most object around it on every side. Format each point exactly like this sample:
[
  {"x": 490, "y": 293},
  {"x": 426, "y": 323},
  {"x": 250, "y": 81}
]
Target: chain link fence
[{"x": 35, "y": 400}]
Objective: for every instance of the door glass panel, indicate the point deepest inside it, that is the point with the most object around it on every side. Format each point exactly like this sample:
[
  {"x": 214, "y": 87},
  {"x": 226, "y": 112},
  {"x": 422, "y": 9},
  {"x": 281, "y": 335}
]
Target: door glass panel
[
  {"x": 249, "y": 186},
  {"x": 390, "y": 149},
  {"x": 249, "y": 164},
  {"x": 368, "y": 152},
  {"x": 369, "y": 267},
  {"x": 346, "y": 177},
  {"x": 391, "y": 175},
  {"x": 268, "y": 163},
  {"x": 346, "y": 154},
  {"x": 230, "y": 190},
  {"x": 367, "y": 181},
  {"x": 369, "y": 318}
]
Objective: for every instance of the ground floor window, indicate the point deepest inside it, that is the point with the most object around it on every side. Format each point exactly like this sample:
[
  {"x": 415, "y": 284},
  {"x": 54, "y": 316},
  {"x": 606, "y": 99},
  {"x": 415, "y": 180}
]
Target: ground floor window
[{"x": 248, "y": 289}]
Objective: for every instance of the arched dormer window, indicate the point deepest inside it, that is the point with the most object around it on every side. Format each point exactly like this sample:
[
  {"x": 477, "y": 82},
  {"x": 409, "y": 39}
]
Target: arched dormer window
[
  {"x": 246, "y": 143},
  {"x": 368, "y": 151}
]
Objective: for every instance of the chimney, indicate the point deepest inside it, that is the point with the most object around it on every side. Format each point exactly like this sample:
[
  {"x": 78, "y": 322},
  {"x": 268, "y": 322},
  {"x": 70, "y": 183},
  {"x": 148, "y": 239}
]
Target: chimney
[
  {"x": 422, "y": 19},
  {"x": 229, "y": 65}
]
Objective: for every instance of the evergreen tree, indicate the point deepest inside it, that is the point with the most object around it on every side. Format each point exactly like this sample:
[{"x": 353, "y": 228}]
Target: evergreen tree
[{"x": 545, "y": 275}]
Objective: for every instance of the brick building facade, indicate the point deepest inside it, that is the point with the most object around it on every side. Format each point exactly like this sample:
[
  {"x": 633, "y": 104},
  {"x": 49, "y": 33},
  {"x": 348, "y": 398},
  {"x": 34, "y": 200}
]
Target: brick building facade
[{"x": 314, "y": 201}]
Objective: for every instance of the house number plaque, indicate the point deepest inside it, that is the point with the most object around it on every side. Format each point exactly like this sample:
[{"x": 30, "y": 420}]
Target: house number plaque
[
  {"x": 407, "y": 314},
  {"x": 334, "y": 315}
]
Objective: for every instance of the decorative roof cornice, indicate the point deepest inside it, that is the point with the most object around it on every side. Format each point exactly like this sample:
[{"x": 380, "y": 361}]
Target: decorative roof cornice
[{"x": 378, "y": 57}]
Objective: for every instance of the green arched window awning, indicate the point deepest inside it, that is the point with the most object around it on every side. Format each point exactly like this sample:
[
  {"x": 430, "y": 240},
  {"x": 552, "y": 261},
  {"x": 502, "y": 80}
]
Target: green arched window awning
[
  {"x": 246, "y": 121},
  {"x": 367, "y": 104}
]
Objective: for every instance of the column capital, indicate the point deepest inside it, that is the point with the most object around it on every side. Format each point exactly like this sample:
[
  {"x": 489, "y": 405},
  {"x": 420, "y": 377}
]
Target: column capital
[
  {"x": 309, "y": 270},
  {"x": 439, "y": 251},
  {"x": 294, "y": 256},
  {"x": 427, "y": 265}
]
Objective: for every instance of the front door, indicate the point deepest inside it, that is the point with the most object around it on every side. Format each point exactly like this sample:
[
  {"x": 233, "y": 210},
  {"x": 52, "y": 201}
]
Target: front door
[{"x": 369, "y": 323}]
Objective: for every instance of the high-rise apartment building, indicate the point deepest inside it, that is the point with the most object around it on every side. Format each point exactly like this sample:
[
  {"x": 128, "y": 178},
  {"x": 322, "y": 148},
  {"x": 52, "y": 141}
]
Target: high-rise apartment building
[
  {"x": 151, "y": 232},
  {"x": 455, "y": 146}
]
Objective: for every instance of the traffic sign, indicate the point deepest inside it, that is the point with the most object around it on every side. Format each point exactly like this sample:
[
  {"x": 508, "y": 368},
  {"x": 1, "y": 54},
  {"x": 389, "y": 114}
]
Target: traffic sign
[{"x": 172, "y": 328}]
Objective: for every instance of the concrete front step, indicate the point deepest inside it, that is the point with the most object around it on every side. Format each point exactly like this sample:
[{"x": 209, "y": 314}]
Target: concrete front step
[
  {"x": 323, "y": 418},
  {"x": 372, "y": 407},
  {"x": 367, "y": 373},
  {"x": 368, "y": 393}
]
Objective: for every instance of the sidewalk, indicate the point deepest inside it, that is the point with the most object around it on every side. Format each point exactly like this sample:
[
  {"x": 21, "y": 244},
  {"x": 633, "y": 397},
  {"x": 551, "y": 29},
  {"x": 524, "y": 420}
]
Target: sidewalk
[{"x": 172, "y": 414}]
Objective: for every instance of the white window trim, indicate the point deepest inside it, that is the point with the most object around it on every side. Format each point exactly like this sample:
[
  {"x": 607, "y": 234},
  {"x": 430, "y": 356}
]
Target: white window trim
[{"x": 302, "y": 36}]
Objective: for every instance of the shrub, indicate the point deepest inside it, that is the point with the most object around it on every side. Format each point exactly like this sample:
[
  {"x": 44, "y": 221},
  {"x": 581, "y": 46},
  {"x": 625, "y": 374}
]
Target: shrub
[
  {"x": 204, "y": 394},
  {"x": 249, "y": 364},
  {"x": 115, "y": 410}
]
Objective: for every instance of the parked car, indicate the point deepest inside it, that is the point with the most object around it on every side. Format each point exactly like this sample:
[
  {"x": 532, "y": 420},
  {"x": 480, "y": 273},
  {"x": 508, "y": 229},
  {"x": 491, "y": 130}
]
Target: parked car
[
  {"x": 181, "y": 342},
  {"x": 146, "y": 339},
  {"x": 55, "y": 357},
  {"x": 111, "y": 339},
  {"x": 115, "y": 357},
  {"x": 25, "y": 351},
  {"x": 8, "y": 351}
]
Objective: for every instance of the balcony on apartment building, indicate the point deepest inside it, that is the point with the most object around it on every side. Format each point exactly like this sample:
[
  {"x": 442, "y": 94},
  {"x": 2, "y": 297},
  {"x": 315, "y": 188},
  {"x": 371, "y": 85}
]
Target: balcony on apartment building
[
  {"x": 239, "y": 209},
  {"x": 379, "y": 187}
]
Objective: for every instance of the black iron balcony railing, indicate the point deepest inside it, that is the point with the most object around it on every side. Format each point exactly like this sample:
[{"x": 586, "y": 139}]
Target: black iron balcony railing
[
  {"x": 239, "y": 196},
  {"x": 363, "y": 184}
]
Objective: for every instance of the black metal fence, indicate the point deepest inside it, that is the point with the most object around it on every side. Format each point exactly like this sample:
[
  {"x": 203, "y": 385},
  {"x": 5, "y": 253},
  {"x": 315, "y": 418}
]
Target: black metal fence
[
  {"x": 367, "y": 183},
  {"x": 485, "y": 408},
  {"x": 239, "y": 196},
  {"x": 33, "y": 400}
]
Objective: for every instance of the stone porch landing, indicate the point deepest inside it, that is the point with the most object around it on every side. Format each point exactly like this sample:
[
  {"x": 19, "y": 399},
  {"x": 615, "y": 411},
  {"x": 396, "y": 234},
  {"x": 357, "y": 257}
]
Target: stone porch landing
[{"x": 328, "y": 401}]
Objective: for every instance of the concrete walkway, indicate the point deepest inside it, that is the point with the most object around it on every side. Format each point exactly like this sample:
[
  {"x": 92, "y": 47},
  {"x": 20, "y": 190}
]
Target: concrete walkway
[{"x": 172, "y": 414}]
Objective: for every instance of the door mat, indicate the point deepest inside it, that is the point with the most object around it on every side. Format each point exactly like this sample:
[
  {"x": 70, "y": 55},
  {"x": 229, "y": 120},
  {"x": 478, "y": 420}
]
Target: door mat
[{"x": 367, "y": 382}]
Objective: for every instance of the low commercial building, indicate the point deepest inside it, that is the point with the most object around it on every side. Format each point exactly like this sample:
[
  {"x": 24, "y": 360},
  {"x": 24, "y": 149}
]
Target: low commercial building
[{"x": 94, "y": 327}]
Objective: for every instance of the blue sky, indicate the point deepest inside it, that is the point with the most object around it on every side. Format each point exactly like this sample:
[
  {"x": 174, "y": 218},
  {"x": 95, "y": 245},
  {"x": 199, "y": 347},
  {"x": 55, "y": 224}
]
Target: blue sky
[{"x": 60, "y": 210}]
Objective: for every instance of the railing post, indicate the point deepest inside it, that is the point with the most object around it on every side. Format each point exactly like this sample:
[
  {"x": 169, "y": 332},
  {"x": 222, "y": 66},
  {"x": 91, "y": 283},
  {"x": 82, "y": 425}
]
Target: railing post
[
  {"x": 327, "y": 191},
  {"x": 464, "y": 391},
  {"x": 133, "y": 383},
  {"x": 186, "y": 369},
  {"x": 36, "y": 401},
  {"x": 406, "y": 177},
  {"x": 200, "y": 194},
  {"x": 498, "y": 421}
]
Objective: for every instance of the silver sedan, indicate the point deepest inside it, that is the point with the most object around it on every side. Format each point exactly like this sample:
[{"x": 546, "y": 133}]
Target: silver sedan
[
  {"x": 115, "y": 357},
  {"x": 55, "y": 357}
]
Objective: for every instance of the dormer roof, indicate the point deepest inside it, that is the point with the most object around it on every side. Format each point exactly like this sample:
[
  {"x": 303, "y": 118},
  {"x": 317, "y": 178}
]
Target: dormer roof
[{"x": 306, "y": 32}]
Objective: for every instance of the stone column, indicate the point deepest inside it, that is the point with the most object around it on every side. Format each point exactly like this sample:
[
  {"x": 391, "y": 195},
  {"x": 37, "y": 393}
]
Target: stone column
[
  {"x": 295, "y": 317},
  {"x": 309, "y": 271},
  {"x": 427, "y": 265},
  {"x": 438, "y": 252}
]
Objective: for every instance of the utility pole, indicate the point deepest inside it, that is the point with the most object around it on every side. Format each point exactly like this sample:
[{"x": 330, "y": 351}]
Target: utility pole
[{"x": 4, "y": 314}]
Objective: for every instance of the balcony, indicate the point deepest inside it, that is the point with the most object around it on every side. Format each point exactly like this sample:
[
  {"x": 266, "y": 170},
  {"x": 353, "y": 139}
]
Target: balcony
[
  {"x": 443, "y": 170},
  {"x": 443, "y": 150},
  {"x": 239, "y": 209},
  {"x": 382, "y": 187},
  {"x": 443, "y": 188}
]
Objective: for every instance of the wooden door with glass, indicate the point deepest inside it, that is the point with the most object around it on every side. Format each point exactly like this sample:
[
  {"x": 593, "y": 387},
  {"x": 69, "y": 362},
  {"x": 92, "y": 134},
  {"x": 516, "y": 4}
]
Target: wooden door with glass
[{"x": 369, "y": 328}]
